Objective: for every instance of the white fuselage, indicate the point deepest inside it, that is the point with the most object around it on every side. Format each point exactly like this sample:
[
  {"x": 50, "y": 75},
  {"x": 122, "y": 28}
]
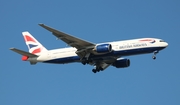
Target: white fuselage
[{"x": 119, "y": 49}]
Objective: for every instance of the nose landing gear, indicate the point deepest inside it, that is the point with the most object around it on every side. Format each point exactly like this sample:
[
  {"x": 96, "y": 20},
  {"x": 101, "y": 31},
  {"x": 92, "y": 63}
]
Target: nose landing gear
[{"x": 154, "y": 56}]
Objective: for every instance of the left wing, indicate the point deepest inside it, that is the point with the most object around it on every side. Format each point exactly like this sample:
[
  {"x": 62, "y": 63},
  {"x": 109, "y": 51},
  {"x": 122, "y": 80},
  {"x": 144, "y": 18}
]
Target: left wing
[
  {"x": 70, "y": 40},
  {"x": 83, "y": 47}
]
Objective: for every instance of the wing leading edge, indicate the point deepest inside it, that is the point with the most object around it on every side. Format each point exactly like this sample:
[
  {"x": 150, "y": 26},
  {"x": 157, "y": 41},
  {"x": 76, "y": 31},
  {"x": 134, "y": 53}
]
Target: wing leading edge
[{"x": 70, "y": 40}]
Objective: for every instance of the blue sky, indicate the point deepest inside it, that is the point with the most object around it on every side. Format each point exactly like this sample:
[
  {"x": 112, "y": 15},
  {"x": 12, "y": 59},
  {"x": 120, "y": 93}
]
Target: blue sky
[{"x": 146, "y": 81}]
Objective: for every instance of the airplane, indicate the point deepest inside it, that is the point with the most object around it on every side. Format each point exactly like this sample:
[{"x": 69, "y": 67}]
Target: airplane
[{"x": 101, "y": 55}]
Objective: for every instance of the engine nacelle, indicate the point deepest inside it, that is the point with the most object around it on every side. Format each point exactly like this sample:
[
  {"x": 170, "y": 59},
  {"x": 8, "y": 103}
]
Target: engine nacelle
[
  {"x": 121, "y": 63},
  {"x": 103, "y": 48}
]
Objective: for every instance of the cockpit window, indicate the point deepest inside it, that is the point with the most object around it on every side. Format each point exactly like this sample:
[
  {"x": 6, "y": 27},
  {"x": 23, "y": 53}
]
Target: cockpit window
[{"x": 161, "y": 40}]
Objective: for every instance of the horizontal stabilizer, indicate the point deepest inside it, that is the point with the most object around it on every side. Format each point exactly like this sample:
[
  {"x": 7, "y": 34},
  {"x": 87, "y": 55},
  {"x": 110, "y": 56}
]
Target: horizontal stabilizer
[{"x": 23, "y": 52}]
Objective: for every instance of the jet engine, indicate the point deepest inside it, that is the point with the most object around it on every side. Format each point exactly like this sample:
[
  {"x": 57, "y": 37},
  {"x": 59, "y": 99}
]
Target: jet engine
[
  {"x": 103, "y": 48},
  {"x": 121, "y": 63}
]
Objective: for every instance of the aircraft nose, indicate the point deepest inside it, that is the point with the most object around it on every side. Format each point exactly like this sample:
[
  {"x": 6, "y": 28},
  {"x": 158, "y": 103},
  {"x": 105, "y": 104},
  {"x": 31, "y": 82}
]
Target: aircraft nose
[{"x": 165, "y": 44}]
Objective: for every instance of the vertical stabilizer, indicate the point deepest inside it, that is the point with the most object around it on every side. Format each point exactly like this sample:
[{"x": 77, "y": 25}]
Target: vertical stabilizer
[{"x": 33, "y": 45}]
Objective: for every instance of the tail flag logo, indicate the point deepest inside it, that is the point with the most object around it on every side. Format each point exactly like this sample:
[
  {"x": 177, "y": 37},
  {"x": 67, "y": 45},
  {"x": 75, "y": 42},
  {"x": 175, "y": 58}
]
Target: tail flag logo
[
  {"x": 32, "y": 44},
  {"x": 34, "y": 48}
]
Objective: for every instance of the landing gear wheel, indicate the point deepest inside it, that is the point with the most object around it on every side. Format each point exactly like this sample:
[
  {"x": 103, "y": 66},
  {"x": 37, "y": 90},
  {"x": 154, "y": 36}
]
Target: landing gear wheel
[
  {"x": 84, "y": 62},
  {"x": 98, "y": 70},
  {"x": 94, "y": 71},
  {"x": 154, "y": 56}
]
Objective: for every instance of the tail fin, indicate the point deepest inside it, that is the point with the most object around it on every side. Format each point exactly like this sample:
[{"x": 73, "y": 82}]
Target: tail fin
[{"x": 33, "y": 45}]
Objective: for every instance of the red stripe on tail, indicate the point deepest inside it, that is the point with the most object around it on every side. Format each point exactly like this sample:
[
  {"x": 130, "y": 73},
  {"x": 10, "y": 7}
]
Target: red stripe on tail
[
  {"x": 36, "y": 51},
  {"x": 28, "y": 38}
]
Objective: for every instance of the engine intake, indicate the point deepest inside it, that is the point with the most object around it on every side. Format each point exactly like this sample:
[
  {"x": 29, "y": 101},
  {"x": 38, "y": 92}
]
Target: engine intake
[
  {"x": 121, "y": 63},
  {"x": 103, "y": 48}
]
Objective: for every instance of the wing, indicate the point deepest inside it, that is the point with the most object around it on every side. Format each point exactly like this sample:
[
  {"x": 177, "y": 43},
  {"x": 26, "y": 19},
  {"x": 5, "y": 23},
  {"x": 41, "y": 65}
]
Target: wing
[
  {"x": 83, "y": 47},
  {"x": 70, "y": 40}
]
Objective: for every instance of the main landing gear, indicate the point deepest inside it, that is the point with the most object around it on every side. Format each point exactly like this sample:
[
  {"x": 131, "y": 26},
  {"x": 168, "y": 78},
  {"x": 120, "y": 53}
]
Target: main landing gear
[
  {"x": 154, "y": 56},
  {"x": 97, "y": 69},
  {"x": 85, "y": 61}
]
